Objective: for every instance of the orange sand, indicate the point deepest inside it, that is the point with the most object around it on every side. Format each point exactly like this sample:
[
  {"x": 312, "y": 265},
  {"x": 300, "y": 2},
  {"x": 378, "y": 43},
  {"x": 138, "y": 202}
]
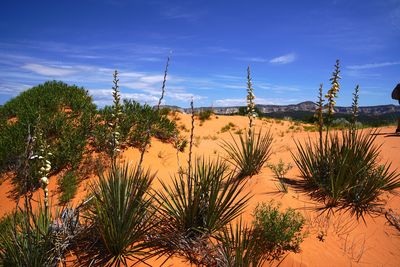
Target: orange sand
[{"x": 348, "y": 242}]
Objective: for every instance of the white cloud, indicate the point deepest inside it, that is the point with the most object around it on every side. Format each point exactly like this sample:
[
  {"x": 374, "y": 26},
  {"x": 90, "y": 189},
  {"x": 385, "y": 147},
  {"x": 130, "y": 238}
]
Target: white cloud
[
  {"x": 285, "y": 59},
  {"x": 373, "y": 65},
  {"x": 49, "y": 70}
]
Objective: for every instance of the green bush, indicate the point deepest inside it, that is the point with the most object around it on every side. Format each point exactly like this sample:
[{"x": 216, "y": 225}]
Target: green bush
[
  {"x": 134, "y": 123},
  {"x": 65, "y": 111},
  {"x": 271, "y": 234},
  {"x": 277, "y": 232},
  {"x": 250, "y": 154},
  {"x": 68, "y": 186},
  {"x": 205, "y": 115}
]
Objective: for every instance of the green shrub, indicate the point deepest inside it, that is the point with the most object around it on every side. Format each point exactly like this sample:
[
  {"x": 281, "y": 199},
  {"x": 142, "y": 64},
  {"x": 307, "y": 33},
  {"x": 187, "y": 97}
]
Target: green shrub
[
  {"x": 250, "y": 154},
  {"x": 277, "y": 232},
  {"x": 205, "y": 115},
  {"x": 68, "y": 186},
  {"x": 271, "y": 234},
  {"x": 65, "y": 111},
  {"x": 280, "y": 171},
  {"x": 227, "y": 127},
  {"x": 133, "y": 125}
]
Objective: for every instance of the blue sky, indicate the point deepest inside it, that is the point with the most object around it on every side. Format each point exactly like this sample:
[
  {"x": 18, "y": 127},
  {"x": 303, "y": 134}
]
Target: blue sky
[{"x": 291, "y": 47}]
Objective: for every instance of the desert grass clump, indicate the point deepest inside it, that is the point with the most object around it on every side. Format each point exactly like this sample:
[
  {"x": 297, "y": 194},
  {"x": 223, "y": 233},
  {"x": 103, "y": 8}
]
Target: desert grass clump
[
  {"x": 119, "y": 218},
  {"x": 342, "y": 169},
  {"x": 195, "y": 207}
]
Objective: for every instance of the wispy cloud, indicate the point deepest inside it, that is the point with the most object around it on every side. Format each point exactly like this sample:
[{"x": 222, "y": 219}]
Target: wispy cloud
[
  {"x": 254, "y": 59},
  {"x": 49, "y": 70},
  {"x": 285, "y": 59},
  {"x": 373, "y": 65}
]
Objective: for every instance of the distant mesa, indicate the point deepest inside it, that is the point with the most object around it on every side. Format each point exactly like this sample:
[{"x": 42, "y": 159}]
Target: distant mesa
[{"x": 307, "y": 106}]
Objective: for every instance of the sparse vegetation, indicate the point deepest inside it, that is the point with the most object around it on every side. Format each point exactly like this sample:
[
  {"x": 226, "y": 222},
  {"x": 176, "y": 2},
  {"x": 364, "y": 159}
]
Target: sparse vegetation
[
  {"x": 342, "y": 169},
  {"x": 68, "y": 186},
  {"x": 280, "y": 170}
]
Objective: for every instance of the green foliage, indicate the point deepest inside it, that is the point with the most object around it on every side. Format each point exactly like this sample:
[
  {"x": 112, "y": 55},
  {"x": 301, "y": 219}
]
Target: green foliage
[
  {"x": 239, "y": 248},
  {"x": 249, "y": 154},
  {"x": 205, "y": 115},
  {"x": 280, "y": 171},
  {"x": 197, "y": 205},
  {"x": 277, "y": 232},
  {"x": 227, "y": 127},
  {"x": 68, "y": 186},
  {"x": 119, "y": 217},
  {"x": 26, "y": 240},
  {"x": 271, "y": 235},
  {"x": 345, "y": 172},
  {"x": 66, "y": 111},
  {"x": 133, "y": 125}
]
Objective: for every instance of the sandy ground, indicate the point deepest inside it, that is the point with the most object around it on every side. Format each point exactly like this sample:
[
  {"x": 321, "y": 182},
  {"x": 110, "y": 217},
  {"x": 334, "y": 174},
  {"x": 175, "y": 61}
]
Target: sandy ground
[{"x": 347, "y": 242}]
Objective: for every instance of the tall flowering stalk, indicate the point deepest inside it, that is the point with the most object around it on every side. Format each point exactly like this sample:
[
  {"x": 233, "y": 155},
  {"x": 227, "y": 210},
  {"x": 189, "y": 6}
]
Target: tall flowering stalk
[
  {"x": 333, "y": 91},
  {"x": 116, "y": 117},
  {"x": 149, "y": 122},
  {"x": 319, "y": 114},
  {"x": 354, "y": 108},
  {"x": 251, "y": 112},
  {"x": 42, "y": 157}
]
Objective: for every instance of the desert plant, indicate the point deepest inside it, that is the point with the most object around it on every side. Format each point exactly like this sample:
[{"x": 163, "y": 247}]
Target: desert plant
[
  {"x": 249, "y": 154},
  {"x": 277, "y": 232},
  {"x": 197, "y": 205},
  {"x": 343, "y": 170},
  {"x": 280, "y": 171},
  {"x": 346, "y": 173},
  {"x": 27, "y": 240},
  {"x": 119, "y": 217},
  {"x": 237, "y": 247},
  {"x": 227, "y": 127},
  {"x": 204, "y": 115},
  {"x": 66, "y": 111},
  {"x": 68, "y": 185}
]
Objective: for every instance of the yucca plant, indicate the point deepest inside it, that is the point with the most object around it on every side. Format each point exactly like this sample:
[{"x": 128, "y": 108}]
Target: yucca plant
[
  {"x": 119, "y": 218},
  {"x": 26, "y": 239},
  {"x": 343, "y": 170},
  {"x": 237, "y": 247},
  {"x": 195, "y": 206},
  {"x": 249, "y": 154},
  {"x": 346, "y": 173}
]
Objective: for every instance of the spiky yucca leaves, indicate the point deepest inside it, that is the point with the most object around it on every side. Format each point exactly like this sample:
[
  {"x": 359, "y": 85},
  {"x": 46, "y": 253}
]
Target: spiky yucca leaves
[
  {"x": 237, "y": 247},
  {"x": 249, "y": 154},
  {"x": 346, "y": 172},
  {"x": 119, "y": 216},
  {"x": 26, "y": 240},
  {"x": 196, "y": 206}
]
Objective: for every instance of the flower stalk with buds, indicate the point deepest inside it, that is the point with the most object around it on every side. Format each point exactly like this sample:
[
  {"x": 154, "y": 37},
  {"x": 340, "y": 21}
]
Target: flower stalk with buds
[
  {"x": 251, "y": 111},
  {"x": 116, "y": 117},
  {"x": 44, "y": 164},
  {"x": 333, "y": 91}
]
